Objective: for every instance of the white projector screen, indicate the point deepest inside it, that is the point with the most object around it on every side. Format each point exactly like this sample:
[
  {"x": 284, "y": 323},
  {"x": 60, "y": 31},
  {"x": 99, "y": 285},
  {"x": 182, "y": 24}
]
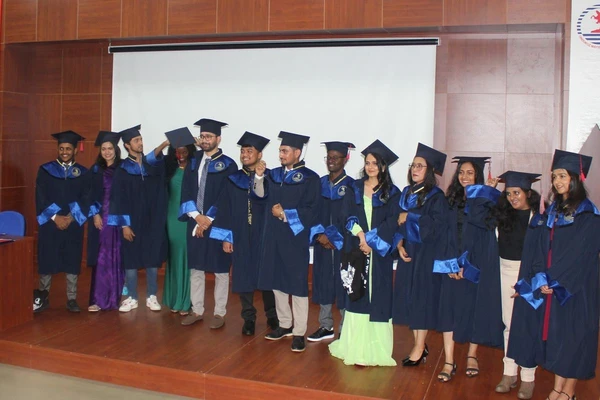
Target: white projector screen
[{"x": 355, "y": 94}]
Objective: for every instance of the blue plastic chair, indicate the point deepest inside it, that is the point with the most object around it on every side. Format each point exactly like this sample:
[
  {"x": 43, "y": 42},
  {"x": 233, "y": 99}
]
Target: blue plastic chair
[{"x": 12, "y": 223}]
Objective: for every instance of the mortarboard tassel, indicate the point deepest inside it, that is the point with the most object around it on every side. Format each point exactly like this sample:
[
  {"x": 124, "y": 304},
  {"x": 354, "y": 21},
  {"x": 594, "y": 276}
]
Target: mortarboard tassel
[
  {"x": 581, "y": 174},
  {"x": 542, "y": 204},
  {"x": 490, "y": 171},
  {"x": 81, "y": 145}
]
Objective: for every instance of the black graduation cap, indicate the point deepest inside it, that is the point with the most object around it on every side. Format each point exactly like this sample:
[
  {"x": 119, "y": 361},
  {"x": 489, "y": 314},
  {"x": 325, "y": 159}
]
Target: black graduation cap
[
  {"x": 210, "y": 125},
  {"x": 382, "y": 150},
  {"x": 180, "y": 137},
  {"x": 107, "y": 136},
  {"x": 293, "y": 139},
  {"x": 436, "y": 158},
  {"x": 480, "y": 161},
  {"x": 130, "y": 133},
  {"x": 522, "y": 180},
  {"x": 254, "y": 140},
  {"x": 341, "y": 147},
  {"x": 573, "y": 162},
  {"x": 68, "y": 137}
]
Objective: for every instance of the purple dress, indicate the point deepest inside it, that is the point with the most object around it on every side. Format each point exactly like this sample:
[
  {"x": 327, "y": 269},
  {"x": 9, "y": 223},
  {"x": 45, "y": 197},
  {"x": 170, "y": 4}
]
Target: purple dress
[{"x": 107, "y": 275}]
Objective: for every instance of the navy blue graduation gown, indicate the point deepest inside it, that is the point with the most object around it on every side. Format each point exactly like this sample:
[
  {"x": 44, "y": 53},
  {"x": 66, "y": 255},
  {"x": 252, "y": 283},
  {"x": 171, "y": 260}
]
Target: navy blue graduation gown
[
  {"x": 205, "y": 254},
  {"x": 384, "y": 222},
  {"x": 95, "y": 196},
  {"x": 425, "y": 233},
  {"x": 285, "y": 257},
  {"x": 138, "y": 199},
  {"x": 571, "y": 346},
  {"x": 240, "y": 220},
  {"x": 327, "y": 284},
  {"x": 60, "y": 191},
  {"x": 477, "y": 297}
]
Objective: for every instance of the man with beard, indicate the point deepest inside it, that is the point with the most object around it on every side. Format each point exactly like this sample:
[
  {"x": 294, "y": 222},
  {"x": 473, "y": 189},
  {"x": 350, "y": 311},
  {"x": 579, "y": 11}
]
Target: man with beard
[
  {"x": 203, "y": 179},
  {"x": 327, "y": 286},
  {"x": 293, "y": 198},
  {"x": 138, "y": 204},
  {"x": 241, "y": 217},
  {"x": 61, "y": 212}
]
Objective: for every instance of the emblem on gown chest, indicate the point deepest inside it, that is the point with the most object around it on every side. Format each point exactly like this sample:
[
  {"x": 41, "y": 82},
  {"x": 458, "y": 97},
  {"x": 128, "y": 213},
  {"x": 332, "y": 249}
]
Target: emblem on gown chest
[
  {"x": 75, "y": 171},
  {"x": 297, "y": 177},
  {"x": 219, "y": 165},
  {"x": 341, "y": 191}
]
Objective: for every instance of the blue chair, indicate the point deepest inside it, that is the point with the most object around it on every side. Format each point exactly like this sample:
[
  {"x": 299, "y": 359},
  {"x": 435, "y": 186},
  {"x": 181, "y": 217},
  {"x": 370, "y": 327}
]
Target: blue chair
[{"x": 12, "y": 223}]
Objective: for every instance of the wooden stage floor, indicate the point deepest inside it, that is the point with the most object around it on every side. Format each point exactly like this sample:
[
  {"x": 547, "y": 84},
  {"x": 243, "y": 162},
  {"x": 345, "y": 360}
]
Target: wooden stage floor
[{"x": 153, "y": 351}]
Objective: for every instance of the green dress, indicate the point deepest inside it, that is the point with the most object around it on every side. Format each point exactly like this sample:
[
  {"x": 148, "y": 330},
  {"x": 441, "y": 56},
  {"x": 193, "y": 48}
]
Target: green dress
[
  {"x": 176, "y": 293},
  {"x": 363, "y": 342}
]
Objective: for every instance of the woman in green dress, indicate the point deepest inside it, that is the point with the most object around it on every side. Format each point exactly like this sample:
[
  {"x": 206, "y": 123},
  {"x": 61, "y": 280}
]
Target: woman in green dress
[
  {"x": 367, "y": 336},
  {"x": 176, "y": 293}
]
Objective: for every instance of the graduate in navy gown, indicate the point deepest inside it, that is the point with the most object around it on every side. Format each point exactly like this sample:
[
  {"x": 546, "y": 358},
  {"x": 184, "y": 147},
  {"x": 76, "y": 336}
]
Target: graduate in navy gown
[
  {"x": 293, "y": 193},
  {"x": 204, "y": 179},
  {"x": 138, "y": 204},
  {"x": 470, "y": 301},
  {"x": 60, "y": 197},
  {"x": 518, "y": 204},
  {"x": 327, "y": 238},
  {"x": 104, "y": 241},
  {"x": 567, "y": 288},
  {"x": 239, "y": 225},
  {"x": 424, "y": 231}
]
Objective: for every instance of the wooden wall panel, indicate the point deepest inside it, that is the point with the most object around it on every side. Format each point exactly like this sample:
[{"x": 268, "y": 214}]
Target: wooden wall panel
[
  {"x": 99, "y": 19},
  {"x": 243, "y": 16},
  {"x": 56, "y": 20},
  {"x": 296, "y": 15},
  {"x": 13, "y": 198},
  {"x": 144, "y": 18},
  {"x": 19, "y": 20},
  {"x": 192, "y": 17},
  {"x": 15, "y": 121},
  {"x": 106, "y": 111},
  {"x": 47, "y": 69},
  {"x": 14, "y": 171},
  {"x": 107, "y": 71},
  {"x": 44, "y": 115},
  {"x": 82, "y": 70},
  {"x": 81, "y": 113},
  {"x": 353, "y": 14},
  {"x": 474, "y": 12},
  {"x": 537, "y": 11},
  {"x": 15, "y": 70},
  {"x": 413, "y": 13}
]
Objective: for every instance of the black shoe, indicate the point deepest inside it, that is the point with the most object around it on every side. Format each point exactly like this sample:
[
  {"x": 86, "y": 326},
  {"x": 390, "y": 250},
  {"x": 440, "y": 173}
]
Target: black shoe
[
  {"x": 321, "y": 334},
  {"x": 40, "y": 300},
  {"x": 72, "y": 306},
  {"x": 426, "y": 352},
  {"x": 248, "y": 328},
  {"x": 279, "y": 333},
  {"x": 273, "y": 323},
  {"x": 298, "y": 345}
]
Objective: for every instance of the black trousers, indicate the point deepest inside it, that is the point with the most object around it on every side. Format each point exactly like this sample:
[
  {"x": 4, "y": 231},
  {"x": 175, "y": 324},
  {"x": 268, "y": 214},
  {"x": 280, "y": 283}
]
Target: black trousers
[{"x": 248, "y": 309}]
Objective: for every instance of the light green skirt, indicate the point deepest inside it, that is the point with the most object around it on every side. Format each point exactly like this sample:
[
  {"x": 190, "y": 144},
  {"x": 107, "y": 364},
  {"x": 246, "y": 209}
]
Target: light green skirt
[{"x": 364, "y": 342}]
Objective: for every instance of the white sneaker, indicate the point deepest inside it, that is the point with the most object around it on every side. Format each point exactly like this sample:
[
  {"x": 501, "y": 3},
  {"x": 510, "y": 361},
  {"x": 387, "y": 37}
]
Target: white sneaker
[
  {"x": 153, "y": 304},
  {"x": 128, "y": 304}
]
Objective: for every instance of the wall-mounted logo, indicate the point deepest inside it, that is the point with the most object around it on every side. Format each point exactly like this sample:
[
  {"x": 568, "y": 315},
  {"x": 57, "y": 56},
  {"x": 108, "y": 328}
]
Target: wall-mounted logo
[{"x": 588, "y": 26}]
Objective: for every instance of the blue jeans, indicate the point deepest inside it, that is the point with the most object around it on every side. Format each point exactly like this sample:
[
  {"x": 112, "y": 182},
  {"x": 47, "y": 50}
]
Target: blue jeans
[{"x": 131, "y": 277}]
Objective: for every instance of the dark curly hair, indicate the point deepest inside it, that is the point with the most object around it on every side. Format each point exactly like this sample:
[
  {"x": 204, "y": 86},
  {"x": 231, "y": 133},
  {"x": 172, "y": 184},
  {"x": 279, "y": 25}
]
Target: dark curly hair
[
  {"x": 384, "y": 178},
  {"x": 429, "y": 183},
  {"x": 505, "y": 213},
  {"x": 101, "y": 162},
  {"x": 456, "y": 192},
  {"x": 577, "y": 193},
  {"x": 171, "y": 163}
]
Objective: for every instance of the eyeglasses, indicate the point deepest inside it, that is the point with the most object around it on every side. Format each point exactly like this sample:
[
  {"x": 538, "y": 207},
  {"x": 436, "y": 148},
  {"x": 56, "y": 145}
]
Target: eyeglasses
[
  {"x": 333, "y": 158},
  {"x": 417, "y": 166},
  {"x": 207, "y": 137}
]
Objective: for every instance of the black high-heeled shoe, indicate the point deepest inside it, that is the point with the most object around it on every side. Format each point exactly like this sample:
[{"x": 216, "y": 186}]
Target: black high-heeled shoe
[
  {"x": 426, "y": 352},
  {"x": 414, "y": 363}
]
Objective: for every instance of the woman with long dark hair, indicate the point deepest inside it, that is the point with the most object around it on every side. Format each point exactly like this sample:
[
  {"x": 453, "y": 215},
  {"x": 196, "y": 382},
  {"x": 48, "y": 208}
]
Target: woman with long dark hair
[
  {"x": 422, "y": 217},
  {"x": 367, "y": 336},
  {"x": 470, "y": 305},
  {"x": 176, "y": 291},
  {"x": 562, "y": 279},
  {"x": 104, "y": 241},
  {"x": 517, "y": 205}
]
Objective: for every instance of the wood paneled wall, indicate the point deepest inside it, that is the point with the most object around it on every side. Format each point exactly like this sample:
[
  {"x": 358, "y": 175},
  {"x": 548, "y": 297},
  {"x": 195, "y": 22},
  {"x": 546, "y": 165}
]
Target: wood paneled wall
[{"x": 52, "y": 20}]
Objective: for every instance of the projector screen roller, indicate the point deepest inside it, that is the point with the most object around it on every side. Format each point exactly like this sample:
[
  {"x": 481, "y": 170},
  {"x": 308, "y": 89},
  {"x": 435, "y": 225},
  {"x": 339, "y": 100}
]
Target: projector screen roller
[{"x": 354, "y": 94}]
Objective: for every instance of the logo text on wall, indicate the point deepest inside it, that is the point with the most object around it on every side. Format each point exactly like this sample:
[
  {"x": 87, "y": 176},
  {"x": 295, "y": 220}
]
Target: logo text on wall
[{"x": 588, "y": 26}]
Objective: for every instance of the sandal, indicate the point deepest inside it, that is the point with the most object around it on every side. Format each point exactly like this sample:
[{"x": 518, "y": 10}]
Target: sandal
[
  {"x": 568, "y": 397},
  {"x": 174, "y": 311},
  {"x": 94, "y": 308},
  {"x": 556, "y": 391},
  {"x": 445, "y": 376},
  {"x": 184, "y": 313},
  {"x": 471, "y": 371}
]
